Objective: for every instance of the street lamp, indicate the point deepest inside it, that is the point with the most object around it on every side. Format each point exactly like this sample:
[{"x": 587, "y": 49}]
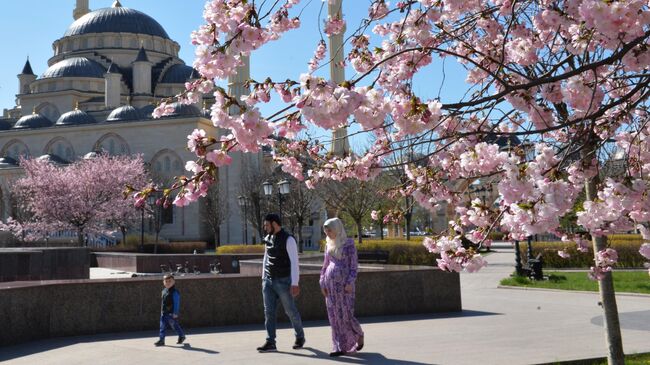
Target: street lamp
[
  {"x": 284, "y": 187},
  {"x": 242, "y": 204}
]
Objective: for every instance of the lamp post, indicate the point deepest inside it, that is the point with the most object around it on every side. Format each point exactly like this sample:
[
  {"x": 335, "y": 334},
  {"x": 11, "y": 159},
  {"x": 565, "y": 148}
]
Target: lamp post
[
  {"x": 242, "y": 204},
  {"x": 284, "y": 187}
]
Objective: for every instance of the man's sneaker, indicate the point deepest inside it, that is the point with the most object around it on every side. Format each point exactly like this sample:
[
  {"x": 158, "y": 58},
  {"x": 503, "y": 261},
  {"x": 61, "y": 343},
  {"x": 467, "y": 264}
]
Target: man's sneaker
[
  {"x": 300, "y": 342},
  {"x": 267, "y": 347},
  {"x": 159, "y": 343},
  {"x": 181, "y": 339}
]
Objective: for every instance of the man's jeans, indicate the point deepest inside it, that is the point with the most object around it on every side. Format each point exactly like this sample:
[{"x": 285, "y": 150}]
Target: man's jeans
[
  {"x": 272, "y": 290},
  {"x": 167, "y": 320}
]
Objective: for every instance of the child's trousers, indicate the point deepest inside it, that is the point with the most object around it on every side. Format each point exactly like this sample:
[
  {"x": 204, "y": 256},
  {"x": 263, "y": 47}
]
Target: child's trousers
[{"x": 166, "y": 319}]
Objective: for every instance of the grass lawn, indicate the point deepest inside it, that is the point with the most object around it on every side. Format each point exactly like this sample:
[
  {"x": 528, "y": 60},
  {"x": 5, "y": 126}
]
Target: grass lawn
[
  {"x": 624, "y": 281},
  {"x": 642, "y": 359}
]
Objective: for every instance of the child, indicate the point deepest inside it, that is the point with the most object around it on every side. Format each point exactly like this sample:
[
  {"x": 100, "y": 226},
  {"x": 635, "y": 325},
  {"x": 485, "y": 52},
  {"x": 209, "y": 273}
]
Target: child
[{"x": 169, "y": 307}]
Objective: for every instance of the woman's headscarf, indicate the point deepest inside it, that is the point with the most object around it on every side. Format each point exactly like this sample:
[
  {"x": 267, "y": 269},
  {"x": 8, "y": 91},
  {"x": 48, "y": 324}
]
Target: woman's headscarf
[{"x": 335, "y": 247}]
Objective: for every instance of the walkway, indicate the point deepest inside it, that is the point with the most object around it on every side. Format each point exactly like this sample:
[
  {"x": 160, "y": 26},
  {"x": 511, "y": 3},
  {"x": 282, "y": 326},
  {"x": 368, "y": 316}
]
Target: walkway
[{"x": 497, "y": 326}]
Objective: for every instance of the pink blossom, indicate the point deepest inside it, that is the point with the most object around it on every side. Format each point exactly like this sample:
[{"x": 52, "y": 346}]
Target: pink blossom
[
  {"x": 218, "y": 158},
  {"x": 645, "y": 250}
]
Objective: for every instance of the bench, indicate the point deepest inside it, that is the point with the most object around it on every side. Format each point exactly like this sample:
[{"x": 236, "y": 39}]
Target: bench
[
  {"x": 533, "y": 268},
  {"x": 372, "y": 257}
]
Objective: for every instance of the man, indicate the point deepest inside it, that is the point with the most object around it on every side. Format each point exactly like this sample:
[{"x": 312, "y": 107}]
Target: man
[{"x": 280, "y": 281}]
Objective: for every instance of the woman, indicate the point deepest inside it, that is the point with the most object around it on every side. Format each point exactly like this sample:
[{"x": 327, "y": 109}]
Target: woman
[{"x": 337, "y": 279}]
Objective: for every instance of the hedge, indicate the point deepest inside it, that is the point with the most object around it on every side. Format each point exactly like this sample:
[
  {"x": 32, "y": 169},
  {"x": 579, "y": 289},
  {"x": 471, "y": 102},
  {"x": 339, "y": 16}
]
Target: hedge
[
  {"x": 401, "y": 252},
  {"x": 627, "y": 247},
  {"x": 234, "y": 249}
]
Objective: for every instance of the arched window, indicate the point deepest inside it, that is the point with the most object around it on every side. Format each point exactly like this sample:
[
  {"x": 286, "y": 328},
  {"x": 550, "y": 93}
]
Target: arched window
[
  {"x": 2, "y": 205},
  {"x": 113, "y": 144},
  {"x": 15, "y": 149},
  {"x": 61, "y": 147},
  {"x": 166, "y": 164}
]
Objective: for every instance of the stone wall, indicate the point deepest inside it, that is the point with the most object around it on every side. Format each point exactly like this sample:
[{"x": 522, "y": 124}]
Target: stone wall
[
  {"x": 32, "y": 310},
  {"x": 44, "y": 263},
  {"x": 150, "y": 263}
]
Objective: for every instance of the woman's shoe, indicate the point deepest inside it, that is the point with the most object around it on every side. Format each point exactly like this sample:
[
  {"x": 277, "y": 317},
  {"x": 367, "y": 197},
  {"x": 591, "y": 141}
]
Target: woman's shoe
[
  {"x": 336, "y": 353},
  {"x": 360, "y": 343}
]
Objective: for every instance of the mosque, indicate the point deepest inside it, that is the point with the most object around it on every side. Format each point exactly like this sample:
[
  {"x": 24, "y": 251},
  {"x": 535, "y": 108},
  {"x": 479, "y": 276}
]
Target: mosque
[{"x": 97, "y": 93}]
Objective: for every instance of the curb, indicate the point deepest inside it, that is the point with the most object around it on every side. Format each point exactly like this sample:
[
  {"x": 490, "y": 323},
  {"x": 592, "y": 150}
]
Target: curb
[{"x": 570, "y": 291}]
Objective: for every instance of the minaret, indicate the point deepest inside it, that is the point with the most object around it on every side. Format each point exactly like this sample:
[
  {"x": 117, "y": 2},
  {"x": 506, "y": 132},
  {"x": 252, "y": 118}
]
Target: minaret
[
  {"x": 81, "y": 9},
  {"x": 141, "y": 76},
  {"x": 340, "y": 144},
  {"x": 25, "y": 78},
  {"x": 231, "y": 176},
  {"x": 113, "y": 87}
]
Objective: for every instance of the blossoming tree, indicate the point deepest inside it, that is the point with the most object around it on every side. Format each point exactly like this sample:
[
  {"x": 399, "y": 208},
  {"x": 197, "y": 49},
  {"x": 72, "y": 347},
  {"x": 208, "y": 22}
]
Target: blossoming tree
[
  {"x": 83, "y": 196},
  {"x": 568, "y": 77}
]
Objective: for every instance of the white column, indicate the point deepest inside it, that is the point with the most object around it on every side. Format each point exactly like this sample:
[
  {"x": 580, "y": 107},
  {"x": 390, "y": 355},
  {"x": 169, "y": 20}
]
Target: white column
[
  {"x": 230, "y": 176},
  {"x": 340, "y": 143},
  {"x": 112, "y": 90}
]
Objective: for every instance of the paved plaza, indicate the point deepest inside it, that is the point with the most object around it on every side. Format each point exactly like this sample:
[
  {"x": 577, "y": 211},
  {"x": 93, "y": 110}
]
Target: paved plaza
[{"x": 497, "y": 326}]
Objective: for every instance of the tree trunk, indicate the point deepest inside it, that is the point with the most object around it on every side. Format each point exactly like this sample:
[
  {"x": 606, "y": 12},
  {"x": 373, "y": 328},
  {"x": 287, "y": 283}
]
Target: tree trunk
[
  {"x": 80, "y": 237},
  {"x": 300, "y": 243},
  {"x": 359, "y": 229},
  {"x": 611, "y": 322},
  {"x": 381, "y": 231},
  {"x": 123, "y": 229},
  {"x": 217, "y": 237},
  {"x": 407, "y": 219}
]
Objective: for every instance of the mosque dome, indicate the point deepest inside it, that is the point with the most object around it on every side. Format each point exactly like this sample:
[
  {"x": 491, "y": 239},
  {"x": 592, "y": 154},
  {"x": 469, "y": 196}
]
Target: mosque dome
[
  {"x": 184, "y": 110},
  {"x": 4, "y": 125},
  {"x": 8, "y": 162},
  {"x": 147, "y": 110},
  {"x": 75, "y": 117},
  {"x": 124, "y": 113},
  {"x": 75, "y": 67},
  {"x": 52, "y": 158},
  {"x": 179, "y": 74},
  {"x": 32, "y": 121},
  {"x": 116, "y": 20}
]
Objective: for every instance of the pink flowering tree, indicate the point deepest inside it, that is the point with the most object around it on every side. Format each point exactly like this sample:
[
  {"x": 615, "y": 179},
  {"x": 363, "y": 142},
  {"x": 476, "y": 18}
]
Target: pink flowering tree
[
  {"x": 567, "y": 78},
  {"x": 84, "y": 196}
]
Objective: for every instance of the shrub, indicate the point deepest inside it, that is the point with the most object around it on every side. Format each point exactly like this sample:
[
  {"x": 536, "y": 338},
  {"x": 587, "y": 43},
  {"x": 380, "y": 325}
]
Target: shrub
[
  {"x": 627, "y": 247},
  {"x": 497, "y": 236},
  {"x": 177, "y": 247},
  {"x": 402, "y": 252},
  {"x": 235, "y": 249}
]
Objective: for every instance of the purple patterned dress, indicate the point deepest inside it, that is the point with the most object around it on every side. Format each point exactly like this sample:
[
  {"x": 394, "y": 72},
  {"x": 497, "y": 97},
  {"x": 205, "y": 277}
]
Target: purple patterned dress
[{"x": 334, "y": 276}]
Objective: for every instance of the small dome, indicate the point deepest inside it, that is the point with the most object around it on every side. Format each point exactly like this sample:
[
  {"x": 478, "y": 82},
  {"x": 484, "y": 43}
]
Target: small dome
[
  {"x": 147, "y": 110},
  {"x": 8, "y": 162},
  {"x": 5, "y": 124},
  {"x": 179, "y": 74},
  {"x": 53, "y": 159},
  {"x": 116, "y": 20},
  {"x": 184, "y": 110},
  {"x": 32, "y": 121},
  {"x": 90, "y": 155},
  {"x": 75, "y": 117},
  {"x": 124, "y": 113},
  {"x": 75, "y": 67}
]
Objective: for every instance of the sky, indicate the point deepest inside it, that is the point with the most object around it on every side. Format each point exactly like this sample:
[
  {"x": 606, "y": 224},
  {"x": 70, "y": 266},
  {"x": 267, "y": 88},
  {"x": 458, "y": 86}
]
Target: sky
[{"x": 30, "y": 26}]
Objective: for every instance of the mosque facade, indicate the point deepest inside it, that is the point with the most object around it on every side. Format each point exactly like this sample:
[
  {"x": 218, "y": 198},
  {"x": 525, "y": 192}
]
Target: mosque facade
[{"x": 97, "y": 93}]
